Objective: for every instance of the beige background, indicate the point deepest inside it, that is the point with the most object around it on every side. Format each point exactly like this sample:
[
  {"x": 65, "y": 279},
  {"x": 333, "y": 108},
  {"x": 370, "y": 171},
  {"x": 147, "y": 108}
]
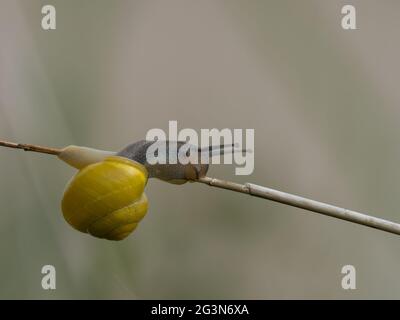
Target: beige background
[{"x": 324, "y": 103}]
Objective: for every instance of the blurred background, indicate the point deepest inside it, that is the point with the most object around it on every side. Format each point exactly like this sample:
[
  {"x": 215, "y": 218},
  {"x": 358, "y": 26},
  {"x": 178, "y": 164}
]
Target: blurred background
[{"x": 324, "y": 103}]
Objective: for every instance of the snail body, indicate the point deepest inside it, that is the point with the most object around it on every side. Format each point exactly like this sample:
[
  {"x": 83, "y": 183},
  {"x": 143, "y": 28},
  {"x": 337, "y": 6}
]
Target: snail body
[{"x": 175, "y": 173}]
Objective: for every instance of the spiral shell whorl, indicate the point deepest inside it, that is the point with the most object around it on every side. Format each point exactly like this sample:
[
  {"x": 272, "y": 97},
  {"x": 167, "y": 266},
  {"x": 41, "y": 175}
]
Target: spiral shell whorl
[{"x": 106, "y": 199}]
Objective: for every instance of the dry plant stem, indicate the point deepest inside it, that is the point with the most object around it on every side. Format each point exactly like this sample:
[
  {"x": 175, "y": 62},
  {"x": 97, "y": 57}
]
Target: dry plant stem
[
  {"x": 304, "y": 203},
  {"x": 265, "y": 193},
  {"x": 30, "y": 147}
]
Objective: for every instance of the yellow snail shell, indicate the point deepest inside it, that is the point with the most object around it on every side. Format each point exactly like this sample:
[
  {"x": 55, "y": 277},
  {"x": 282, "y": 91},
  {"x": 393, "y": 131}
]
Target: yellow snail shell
[{"x": 106, "y": 199}]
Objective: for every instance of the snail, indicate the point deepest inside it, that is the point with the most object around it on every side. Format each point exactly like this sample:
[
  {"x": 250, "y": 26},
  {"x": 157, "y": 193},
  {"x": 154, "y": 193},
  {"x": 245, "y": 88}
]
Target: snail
[{"x": 106, "y": 198}]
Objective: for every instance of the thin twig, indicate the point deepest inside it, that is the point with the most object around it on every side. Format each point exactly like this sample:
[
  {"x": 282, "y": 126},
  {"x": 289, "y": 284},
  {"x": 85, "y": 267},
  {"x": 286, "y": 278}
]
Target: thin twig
[
  {"x": 30, "y": 147},
  {"x": 304, "y": 203},
  {"x": 265, "y": 193}
]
